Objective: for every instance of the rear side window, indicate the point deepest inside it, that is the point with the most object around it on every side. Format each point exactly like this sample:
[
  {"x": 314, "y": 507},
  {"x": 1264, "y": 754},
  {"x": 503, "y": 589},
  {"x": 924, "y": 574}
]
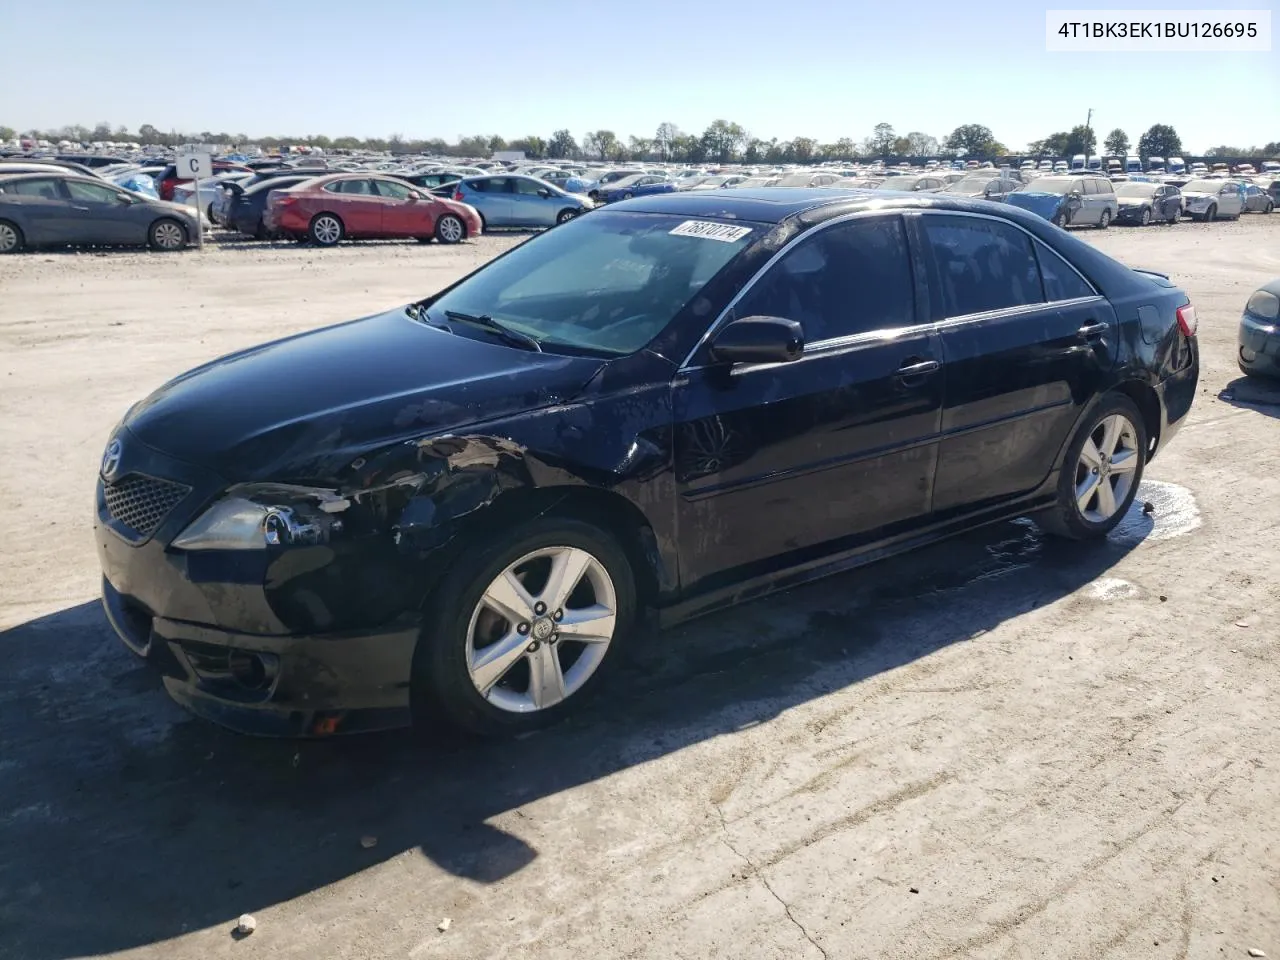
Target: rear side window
[
  {"x": 361, "y": 188},
  {"x": 846, "y": 279},
  {"x": 48, "y": 189},
  {"x": 1061, "y": 281},
  {"x": 980, "y": 265}
]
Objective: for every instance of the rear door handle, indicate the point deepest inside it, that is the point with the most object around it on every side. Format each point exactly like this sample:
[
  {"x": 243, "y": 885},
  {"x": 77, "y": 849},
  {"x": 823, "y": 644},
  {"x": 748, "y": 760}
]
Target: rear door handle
[
  {"x": 919, "y": 368},
  {"x": 1093, "y": 330}
]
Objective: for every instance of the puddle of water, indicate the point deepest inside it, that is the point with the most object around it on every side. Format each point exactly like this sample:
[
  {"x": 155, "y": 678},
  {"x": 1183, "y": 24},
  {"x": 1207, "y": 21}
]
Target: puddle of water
[
  {"x": 1174, "y": 513},
  {"x": 1110, "y": 588}
]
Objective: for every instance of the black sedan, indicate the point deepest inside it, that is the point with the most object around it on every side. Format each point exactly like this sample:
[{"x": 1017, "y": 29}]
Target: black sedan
[
  {"x": 1143, "y": 203},
  {"x": 59, "y": 209},
  {"x": 1259, "y": 339},
  {"x": 458, "y": 510},
  {"x": 246, "y": 204}
]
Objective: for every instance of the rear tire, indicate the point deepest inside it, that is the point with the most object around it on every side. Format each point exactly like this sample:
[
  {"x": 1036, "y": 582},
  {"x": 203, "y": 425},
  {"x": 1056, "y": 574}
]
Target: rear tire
[
  {"x": 326, "y": 229},
  {"x": 1093, "y": 492},
  {"x": 11, "y": 239},
  {"x": 1105, "y": 220},
  {"x": 449, "y": 667},
  {"x": 167, "y": 235},
  {"x": 566, "y": 215}
]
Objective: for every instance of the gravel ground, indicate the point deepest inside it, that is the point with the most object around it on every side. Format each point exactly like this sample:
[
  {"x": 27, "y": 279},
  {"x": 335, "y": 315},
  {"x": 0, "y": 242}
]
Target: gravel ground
[{"x": 997, "y": 747}]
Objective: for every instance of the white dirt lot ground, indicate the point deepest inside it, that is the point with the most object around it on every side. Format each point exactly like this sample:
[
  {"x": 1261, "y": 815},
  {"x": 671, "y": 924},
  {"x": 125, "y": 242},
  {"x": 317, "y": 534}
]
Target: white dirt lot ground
[{"x": 998, "y": 747}]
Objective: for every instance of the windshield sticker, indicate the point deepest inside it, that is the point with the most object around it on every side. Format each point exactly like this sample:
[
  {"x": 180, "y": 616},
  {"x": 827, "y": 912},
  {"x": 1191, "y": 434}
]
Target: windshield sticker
[{"x": 710, "y": 231}]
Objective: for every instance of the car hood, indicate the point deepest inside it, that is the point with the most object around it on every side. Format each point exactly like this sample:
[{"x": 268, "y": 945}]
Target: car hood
[
  {"x": 1134, "y": 201},
  {"x": 1042, "y": 204},
  {"x": 304, "y": 407}
]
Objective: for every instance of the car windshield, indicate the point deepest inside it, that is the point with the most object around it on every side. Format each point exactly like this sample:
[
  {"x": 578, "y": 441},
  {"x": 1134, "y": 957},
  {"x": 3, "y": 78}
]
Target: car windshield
[
  {"x": 604, "y": 284},
  {"x": 1141, "y": 191},
  {"x": 1203, "y": 186},
  {"x": 1054, "y": 185},
  {"x": 970, "y": 185}
]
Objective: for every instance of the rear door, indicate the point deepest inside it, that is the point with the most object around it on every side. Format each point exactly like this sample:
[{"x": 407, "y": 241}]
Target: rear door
[
  {"x": 359, "y": 207},
  {"x": 493, "y": 200},
  {"x": 1025, "y": 341},
  {"x": 836, "y": 448},
  {"x": 45, "y": 213}
]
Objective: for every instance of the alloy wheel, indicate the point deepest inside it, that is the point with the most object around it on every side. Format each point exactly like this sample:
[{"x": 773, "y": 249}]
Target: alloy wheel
[
  {"x": 168, "y": 236},
  {"x": 1146, "y": 217},
  {"x": 1106, "y": 468},
  {"x": 541, "y": 629},
  {"x": 326, "y": 230},
  {"x": 8, "y": 238},
  {"x": 450, "y": 228}
]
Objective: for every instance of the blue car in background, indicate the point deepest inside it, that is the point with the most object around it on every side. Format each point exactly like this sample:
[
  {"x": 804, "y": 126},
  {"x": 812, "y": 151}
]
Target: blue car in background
[
  {"x": 568, "y": 182},
  {"x": 510, "y": 200},
  {"x": 635, "y": 186},
  {"x": 138, "y": 183}
]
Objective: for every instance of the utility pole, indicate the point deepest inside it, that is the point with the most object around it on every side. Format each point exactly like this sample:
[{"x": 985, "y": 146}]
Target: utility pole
[{"x": 1087, "y": 127}]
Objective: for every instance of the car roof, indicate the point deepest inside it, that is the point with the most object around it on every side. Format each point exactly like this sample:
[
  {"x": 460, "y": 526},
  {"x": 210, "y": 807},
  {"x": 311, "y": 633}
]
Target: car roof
[{"x": 813, "y": 204}]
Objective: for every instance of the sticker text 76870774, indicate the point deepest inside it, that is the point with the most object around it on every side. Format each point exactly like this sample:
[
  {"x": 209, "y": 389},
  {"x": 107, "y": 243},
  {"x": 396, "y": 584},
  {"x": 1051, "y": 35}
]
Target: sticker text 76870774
[{"x": 724, "y": 232}]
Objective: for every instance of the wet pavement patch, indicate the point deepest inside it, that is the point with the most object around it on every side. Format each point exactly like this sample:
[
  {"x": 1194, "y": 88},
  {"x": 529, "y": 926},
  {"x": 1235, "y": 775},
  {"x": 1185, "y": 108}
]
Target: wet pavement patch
[{"x": 1160, "y": 511}]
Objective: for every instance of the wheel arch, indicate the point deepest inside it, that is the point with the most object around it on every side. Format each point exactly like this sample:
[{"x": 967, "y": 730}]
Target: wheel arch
[
  {"x": 610, "y": 511},
  {"x": 1142, "y": 394}
]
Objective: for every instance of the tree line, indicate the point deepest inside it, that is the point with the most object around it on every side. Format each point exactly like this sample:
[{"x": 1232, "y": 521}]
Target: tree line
[{"x": 721, "y": 142}]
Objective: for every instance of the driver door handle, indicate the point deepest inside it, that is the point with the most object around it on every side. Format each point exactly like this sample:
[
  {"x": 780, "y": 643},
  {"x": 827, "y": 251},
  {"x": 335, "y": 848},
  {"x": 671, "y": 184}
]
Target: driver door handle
[
  {"x": 918, "y": 368},
  {"x": 1093, "y": 330}
]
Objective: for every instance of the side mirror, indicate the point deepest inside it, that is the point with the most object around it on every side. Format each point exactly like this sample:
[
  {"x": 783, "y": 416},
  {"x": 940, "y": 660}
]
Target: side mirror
[
  {"x": 544, "y": 193},
  {"x": 414, "y": 195},
  {"x": 758, "y": 340}
]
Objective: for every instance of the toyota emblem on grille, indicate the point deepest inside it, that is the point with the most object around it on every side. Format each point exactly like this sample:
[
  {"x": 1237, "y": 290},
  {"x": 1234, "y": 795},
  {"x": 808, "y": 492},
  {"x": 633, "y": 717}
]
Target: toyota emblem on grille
[{"x": 111, "y": 459}]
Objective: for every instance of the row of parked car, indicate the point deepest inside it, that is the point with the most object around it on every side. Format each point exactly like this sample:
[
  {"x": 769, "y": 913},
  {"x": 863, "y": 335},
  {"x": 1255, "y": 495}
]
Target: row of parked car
[{"x": 45, "y": 202}]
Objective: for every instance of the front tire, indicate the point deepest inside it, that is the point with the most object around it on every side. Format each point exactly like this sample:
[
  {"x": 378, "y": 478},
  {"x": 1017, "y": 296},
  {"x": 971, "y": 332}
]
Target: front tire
[
  {"x": 1145, "y": 219},
  {"x": 1101, "y": 472},
  {"x": 1060, "y": 219},
  {"x": 326, "y": 229},
  {"x": 11, "y": 239},
  {"x": 167, "y": 235},
  {"x": 450, "y": 229},
  {"x": 1211, "y": 214},
  {"x": 522, "y": 628}
]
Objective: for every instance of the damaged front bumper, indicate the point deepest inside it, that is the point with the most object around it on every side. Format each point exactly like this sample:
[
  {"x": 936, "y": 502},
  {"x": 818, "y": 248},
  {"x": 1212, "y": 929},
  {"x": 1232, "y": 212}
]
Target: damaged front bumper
[{"x": 285, "y": 686}]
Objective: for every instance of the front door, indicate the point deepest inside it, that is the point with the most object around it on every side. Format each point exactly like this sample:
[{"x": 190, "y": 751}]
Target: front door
[
  {"x": 1025, "y": 340},
  {"x": 401, "y": 216},
  {"x": 779, "y": 462},
  {"x": 100, "y": 215}
]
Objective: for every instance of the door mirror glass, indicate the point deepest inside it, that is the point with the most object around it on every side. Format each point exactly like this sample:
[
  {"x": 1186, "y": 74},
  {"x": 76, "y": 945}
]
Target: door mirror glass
[
  {"x": 414, "y": 195},
  {"x": 758, "y": 340}
]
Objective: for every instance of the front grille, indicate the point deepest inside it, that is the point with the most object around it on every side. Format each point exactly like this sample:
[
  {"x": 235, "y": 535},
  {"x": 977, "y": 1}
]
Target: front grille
[{"x": 141, "y": 503}]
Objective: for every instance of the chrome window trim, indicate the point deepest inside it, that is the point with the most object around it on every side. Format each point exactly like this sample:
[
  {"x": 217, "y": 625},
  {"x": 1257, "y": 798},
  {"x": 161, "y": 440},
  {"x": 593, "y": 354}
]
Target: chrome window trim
[{"x": 857, "y": 338}]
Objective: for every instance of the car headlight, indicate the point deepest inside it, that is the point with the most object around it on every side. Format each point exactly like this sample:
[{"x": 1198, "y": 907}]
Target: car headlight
[
  {"x": 1263, "y": 304},
  {"x": 256, "y": 517}
]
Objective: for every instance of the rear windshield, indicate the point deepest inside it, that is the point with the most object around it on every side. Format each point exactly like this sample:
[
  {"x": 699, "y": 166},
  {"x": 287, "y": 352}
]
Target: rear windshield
[{"x": 606, "y": 284}]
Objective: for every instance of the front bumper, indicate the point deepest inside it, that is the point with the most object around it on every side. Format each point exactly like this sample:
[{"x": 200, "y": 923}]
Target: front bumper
[
  {"x": 1258, "y": 347},
  {"x": 277, "y": 686},
  {"x": 293, "y": 641}
]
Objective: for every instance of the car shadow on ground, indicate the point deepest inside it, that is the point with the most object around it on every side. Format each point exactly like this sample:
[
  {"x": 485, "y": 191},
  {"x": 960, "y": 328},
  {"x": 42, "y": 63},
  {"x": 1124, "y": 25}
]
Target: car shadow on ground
[
  {"x": 123, "y": 822},
  {"x": 1253, "y": 393}
]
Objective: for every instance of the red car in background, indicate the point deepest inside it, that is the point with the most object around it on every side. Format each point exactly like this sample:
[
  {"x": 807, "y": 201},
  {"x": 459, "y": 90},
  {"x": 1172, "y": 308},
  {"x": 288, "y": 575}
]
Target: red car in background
[
  {"x": 168, "y": 178},
  {"x": 354, "y": 206}
]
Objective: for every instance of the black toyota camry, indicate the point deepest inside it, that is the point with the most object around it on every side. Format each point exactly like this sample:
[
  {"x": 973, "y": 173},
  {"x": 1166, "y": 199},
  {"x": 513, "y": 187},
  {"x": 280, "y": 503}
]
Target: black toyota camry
[{"x": 457, "y": 511}]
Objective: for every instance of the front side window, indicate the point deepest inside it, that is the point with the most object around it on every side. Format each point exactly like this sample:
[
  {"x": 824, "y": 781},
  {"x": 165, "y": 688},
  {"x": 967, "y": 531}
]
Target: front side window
[
  {"x": 91, "y": 192},
  {"x": 849, "y": 278},
  {"x": 529, "y": 188},
  {"x": 393, "y": 190},
  {"x": 981, "y": 265},
  {"x": 606, "y": 284}
]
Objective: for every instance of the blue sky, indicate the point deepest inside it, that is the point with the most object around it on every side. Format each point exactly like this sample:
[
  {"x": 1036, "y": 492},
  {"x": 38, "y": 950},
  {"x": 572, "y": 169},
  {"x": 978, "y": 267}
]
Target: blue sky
[{"x": 781, "y": 68}]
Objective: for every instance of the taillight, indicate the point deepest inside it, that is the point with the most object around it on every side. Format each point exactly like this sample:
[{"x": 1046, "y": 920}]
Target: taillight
[
  {"x": 459, "y": 196},
  {"x": 1187, "y": 322},
  {"x": 287, "y": 199}
]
